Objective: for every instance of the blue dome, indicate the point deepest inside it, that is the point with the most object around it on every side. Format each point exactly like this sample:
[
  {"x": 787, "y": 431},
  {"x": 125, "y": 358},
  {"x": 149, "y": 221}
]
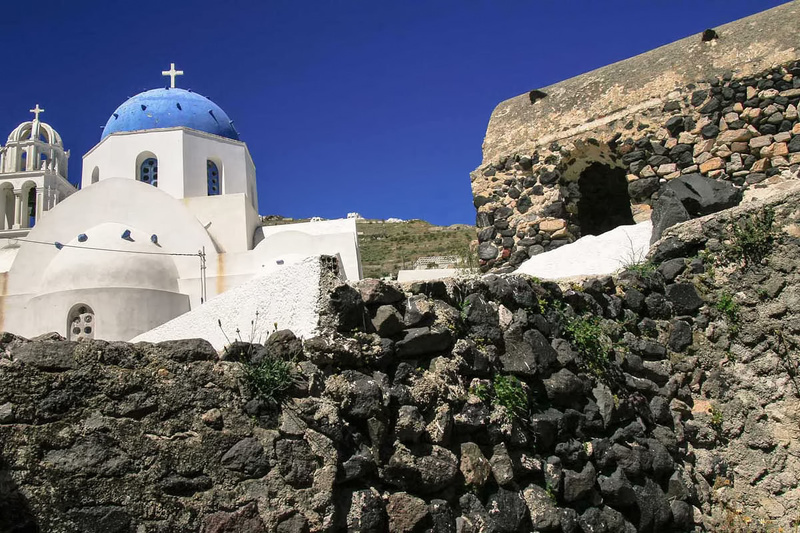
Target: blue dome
[{"x": 170, "y": 108}]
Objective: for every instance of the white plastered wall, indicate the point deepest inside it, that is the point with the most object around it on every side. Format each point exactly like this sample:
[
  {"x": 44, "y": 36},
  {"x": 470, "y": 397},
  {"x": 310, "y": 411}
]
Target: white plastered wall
[
  {"x": 287, "y": 298},
  {"x": 182, "y": 154},
  {"x": 291, "y": 241},
  {"x": 230, "y": 219},
  {"x": 116, "y": 157},
  {"x": 144, "y": 309},
  {"x": 130, "y": 203},
  {"x": 233, "y": 161}
]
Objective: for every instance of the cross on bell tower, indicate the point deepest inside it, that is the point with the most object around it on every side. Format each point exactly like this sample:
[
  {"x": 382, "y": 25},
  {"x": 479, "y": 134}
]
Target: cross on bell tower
[
  {"x": 172, "y": 73},
  {"x": 36, "y": 110}
]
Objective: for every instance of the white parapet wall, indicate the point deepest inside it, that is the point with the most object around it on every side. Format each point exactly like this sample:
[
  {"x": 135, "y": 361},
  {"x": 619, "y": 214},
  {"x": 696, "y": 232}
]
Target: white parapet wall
[
  {"x": 426, "y": 274},
  {"x": 285, "y": 298}
]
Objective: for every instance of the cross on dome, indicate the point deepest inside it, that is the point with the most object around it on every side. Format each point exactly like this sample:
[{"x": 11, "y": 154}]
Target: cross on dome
[
  {"x": 172, "y": 73},
  {"x": 36, "y": 110}
]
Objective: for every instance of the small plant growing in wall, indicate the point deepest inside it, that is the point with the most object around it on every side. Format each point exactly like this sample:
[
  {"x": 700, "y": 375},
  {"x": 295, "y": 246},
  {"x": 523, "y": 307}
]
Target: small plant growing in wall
[
  {"x": 752, "y": 237},
  {"x": 716, "y": 420},
  {"x": 268, "y": 378},
  {"x": 729, "y": 307},
  {"x": 636, "y": 261},
  {"x": 481, "y": 391},
  {"x": 643, "y": 268},
  {"x": 587, "y": 336},
  {"x": 510, "y": 394}
]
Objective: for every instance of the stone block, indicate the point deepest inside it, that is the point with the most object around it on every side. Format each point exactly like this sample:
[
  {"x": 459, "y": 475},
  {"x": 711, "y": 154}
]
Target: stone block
[
  {"x": 761, "y": 165},
  {"x": 665, "y": 169},
  {"x": 761, "y": 142},
  {"x": 731, "y": 117},
  {"x": 704, "y": 146},
  {"x": 712, "y": 164},
  {"x": 702, "y": 158},
  {"x": 723, "y": 151},
  {"x": 647, "y": 172},
  {"x": 740, "y": 147},
  {"x": 729, "y": 136},
  {"x": 552, "y": 225}
]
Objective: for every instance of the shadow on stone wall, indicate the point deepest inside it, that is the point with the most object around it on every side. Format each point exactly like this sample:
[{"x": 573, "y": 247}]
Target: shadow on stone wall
[{"x": 15, "y": 515}]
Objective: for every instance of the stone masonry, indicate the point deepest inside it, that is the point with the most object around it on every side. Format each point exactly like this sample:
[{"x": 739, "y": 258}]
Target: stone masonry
[
  {"x": 659, "y": 400},
  {"x": 591, "y": 153}
]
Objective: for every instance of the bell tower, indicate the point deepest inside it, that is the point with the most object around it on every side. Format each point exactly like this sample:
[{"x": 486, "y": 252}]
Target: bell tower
[{"x": 33, "y": 175}]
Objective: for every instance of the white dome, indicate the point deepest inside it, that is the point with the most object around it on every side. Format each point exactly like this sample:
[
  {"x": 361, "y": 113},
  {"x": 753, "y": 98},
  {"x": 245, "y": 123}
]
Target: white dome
[
  {"x": 84, "y": 268},
  {"x": 45, "y": 133}
]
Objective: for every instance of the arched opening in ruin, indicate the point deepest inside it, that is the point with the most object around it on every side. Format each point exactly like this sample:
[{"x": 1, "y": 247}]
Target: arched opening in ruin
[{"x": 604, "y": 202}]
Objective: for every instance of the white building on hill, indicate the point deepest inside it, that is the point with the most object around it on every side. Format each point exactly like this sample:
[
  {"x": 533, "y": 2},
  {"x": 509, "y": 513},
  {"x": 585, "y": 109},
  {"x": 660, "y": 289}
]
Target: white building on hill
[{"x": 166, "y": 218}]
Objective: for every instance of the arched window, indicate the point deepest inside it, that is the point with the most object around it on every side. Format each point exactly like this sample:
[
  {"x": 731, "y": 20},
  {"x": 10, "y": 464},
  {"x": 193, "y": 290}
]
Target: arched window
[
  {"x": 24, "y": 161},
  {"x": 95, "y": 175},
  {"x": 214, "y": 179},
  {"x": 80, "y": 323},
  {"x": 31, "y": 205},
  {"x": 148, "y": 171}
]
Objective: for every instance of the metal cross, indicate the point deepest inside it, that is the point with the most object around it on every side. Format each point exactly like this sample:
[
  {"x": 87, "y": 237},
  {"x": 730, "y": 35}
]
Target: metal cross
[
  {"x": 172, "y": 73},
  {"x": 36, "y": 110}
]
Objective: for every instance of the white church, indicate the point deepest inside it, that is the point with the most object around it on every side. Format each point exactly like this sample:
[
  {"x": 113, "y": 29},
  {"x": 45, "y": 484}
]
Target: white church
[{"x": 165, "y": 219}]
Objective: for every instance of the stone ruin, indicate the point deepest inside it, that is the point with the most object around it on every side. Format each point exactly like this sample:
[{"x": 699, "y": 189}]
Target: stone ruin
[{"x": 594, "y": 152}]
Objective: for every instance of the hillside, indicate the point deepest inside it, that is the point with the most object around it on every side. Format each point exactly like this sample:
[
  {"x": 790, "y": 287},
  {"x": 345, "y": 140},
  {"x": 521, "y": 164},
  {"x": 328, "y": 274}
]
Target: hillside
[{"x": 387, "y": 247}]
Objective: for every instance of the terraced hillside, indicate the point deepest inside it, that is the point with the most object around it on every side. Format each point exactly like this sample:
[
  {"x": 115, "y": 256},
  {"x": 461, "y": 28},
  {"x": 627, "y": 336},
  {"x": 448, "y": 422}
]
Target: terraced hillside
[{"x": 387, "y": 247}]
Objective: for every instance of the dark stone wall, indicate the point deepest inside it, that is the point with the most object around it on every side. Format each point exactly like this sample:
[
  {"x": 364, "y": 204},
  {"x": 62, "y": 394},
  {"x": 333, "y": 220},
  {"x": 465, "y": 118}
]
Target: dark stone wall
[
  {"x": 660, "y": 400},
  {"x": 743, "y": 130}
]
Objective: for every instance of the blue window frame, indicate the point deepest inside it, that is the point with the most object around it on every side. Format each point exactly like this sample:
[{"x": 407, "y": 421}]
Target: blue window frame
[
  {"x": 148, "y": 172},
  {"x": 214, "y": 181}
]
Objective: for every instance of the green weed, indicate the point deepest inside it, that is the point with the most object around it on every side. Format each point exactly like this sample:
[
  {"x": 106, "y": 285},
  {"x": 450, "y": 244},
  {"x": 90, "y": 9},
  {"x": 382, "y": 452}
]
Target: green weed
[
  {"x": 751, "y": 237},
  {"x": 587, "y": 336},
  {"x": 643, "y": 268},
  {"x": 510, "y": 394},
  {"x": 481, "y": 391},
  {"x": 269, "y": 379},
  {"x": 729, "y": 307},
  {"x": 716, "y": 420}
]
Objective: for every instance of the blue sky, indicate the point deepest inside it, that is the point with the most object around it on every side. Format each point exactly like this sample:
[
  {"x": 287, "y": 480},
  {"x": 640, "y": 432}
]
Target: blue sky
[{"x": 346, "y": 105}]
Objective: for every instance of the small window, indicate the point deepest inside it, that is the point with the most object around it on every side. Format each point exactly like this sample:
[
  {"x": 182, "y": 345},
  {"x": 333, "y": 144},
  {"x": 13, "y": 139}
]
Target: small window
[
  {"x": 80, "y": 323},
  {"x": 96, "y": 175},
  {"x": 214, "y": 181},
  {"x": 148, "y": 172}
]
